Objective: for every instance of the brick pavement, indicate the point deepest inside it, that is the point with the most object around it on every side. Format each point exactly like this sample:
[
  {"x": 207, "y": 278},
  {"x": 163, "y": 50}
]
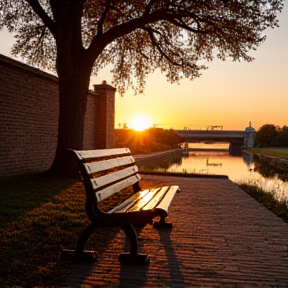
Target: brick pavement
[{"x": 221, "y": 237}]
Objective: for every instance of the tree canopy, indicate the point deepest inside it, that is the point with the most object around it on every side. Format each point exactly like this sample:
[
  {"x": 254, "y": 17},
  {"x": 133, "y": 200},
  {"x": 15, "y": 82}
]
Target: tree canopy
[
  {"x": 270, "y": 135},
  {"x": 78, "y": 37},
  {"x": 137, "y": 37}
]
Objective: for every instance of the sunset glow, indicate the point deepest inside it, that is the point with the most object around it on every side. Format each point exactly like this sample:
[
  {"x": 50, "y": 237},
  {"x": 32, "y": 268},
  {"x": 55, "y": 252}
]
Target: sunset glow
[
  {"x": 140, "y": 123},
  {"x": 228, "y": 94}
]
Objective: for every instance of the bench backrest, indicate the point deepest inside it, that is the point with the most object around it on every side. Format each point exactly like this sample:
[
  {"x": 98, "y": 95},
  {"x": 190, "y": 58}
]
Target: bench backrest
[{"x": 106, "y": 171}]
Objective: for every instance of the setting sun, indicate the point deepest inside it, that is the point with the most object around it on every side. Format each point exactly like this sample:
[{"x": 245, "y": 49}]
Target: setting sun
[{"x": 140, "y": 123}]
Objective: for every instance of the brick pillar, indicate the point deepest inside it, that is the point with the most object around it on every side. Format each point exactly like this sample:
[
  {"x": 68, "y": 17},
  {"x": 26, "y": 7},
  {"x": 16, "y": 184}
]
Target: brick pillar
[{"x": 104, "y": 115}]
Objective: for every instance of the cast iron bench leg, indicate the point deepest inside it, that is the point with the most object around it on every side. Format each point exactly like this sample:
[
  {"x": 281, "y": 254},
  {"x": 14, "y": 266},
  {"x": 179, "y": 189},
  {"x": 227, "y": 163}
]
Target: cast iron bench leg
[
  {"x": 79, "y": 254},
  {"x": 132, "y": 258},
  {"x": 162, "y": 223}
]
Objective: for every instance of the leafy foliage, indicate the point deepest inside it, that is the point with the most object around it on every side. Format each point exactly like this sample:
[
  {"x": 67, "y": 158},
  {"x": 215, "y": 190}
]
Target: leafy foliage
[
  {"x": 147, "y": 141},
  {"x": 282, "y": 137},
  {"x": 137, "y": 37},
  {"x": 270, "y": 135},
  {"x": 265, "y": 135}
]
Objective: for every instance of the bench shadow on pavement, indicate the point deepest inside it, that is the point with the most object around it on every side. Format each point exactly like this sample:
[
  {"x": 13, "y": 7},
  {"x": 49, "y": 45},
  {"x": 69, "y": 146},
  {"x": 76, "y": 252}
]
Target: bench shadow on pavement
[
  {"x": 173, "y": 263},
  {"x": 138, "y": 275}
]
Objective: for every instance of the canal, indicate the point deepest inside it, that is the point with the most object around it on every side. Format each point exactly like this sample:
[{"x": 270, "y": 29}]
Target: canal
[{"x": 214, "y": 159}]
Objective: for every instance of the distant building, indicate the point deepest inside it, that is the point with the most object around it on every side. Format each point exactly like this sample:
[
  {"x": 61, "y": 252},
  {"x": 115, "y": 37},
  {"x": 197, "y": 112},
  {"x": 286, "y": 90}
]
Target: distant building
[{"x": 250, "y": 136}]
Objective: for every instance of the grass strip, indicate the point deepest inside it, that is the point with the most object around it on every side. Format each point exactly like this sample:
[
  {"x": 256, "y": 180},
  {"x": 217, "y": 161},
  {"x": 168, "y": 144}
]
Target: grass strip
[
  {"x": 279, "y": 208},
  {"x": 281, "y": 152},
  {"x": 38, "y": 215}
]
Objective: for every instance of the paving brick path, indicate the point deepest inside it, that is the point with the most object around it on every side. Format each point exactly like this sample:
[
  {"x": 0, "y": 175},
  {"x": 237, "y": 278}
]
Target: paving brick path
[{"x": 221, "y": 237}]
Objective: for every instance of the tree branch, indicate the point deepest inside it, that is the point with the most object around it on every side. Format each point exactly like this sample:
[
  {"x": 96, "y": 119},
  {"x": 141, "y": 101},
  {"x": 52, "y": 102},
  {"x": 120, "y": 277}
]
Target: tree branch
[
  {"x": 155, "y": 43},
  {"x": 37, "y": 8},
  {"x": 180, "y": 23},
  {"x": 123, "y": 29},
  {"x": 102, "y": 19}
]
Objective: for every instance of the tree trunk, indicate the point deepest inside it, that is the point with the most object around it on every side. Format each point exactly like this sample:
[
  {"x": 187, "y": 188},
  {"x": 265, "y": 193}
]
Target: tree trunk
[{"x": 74, "y": 77}]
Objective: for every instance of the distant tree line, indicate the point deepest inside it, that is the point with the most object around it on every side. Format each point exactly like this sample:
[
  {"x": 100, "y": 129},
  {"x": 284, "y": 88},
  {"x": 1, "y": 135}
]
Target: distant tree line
[
  {"x": 270, "y": 135},
  {"x": 147, "y": 141}
]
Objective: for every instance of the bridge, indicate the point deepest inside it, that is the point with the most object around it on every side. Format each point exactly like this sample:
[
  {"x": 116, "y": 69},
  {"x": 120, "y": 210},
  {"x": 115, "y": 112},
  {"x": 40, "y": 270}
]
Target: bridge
[{"x": 237, "y": 139}]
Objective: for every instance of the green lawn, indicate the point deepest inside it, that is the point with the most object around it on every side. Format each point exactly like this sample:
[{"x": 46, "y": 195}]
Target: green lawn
[
  {"x": 281, "y": 152},
  {"x": 37, "y": 216}
]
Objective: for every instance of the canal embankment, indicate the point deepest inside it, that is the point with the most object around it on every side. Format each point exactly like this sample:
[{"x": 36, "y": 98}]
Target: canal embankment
[
  {"x": 275, "y": 157},
  {"x": 157, "y": 157},
  {"x": 163, "y": 161},
  {"x": 273, "y": 161}
]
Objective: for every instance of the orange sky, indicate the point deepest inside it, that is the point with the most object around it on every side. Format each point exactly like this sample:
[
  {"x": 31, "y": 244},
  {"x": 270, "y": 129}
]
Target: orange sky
[{"x": 229, "y": 94}]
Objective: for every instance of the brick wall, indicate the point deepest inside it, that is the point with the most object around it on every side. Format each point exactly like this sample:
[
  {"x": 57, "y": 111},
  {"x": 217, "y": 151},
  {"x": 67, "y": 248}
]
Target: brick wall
[
  {"x": 90, "y": 122},
  {"x": 29, "y": 115},
  {"x": 105, "y": 110}
]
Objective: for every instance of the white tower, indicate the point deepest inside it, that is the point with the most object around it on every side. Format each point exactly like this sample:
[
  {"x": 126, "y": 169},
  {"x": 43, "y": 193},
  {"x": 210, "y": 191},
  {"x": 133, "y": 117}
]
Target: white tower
[{"x": 249, "y": 136}]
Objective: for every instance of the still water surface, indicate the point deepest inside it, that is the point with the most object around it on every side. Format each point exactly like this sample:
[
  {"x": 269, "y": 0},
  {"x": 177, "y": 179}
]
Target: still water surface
[
  {"x": 216, "y": 162},
  {"x": 238, "y": 168}
]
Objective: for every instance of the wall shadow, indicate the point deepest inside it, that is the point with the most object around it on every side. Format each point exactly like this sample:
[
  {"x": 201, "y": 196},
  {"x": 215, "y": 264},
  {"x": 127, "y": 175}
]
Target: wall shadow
[
  {"x": 21, "y": 194},
  {"x": 40, "y": 215}
]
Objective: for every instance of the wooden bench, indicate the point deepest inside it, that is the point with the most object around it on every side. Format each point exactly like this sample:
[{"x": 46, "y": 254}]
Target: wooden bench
[{"x": 107, "y": 172}]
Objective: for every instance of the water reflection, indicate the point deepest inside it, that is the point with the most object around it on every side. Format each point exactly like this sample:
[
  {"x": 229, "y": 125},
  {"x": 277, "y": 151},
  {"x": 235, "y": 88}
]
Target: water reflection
[
  {"x": 217, "y": 163},
  {"x": 247, "y": 168},
  {"x": 271, "y": 179}
]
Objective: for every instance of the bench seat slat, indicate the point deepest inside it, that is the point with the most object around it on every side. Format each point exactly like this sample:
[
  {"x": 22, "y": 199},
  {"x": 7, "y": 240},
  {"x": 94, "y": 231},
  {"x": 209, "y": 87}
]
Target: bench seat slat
[
  {"x": 108, "y": 191},
  {"x": 142, "y": 202},
  {"x": 166, "y": 201},
  {"x": 125, "y": 205},
  {"x": 156, "y": 199},
  {"x": 148, "y": 200},
  {"x": 113, "y": 177},
  {"x": 95, "y": 167},
  {"x": 92, "y": 154}
]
